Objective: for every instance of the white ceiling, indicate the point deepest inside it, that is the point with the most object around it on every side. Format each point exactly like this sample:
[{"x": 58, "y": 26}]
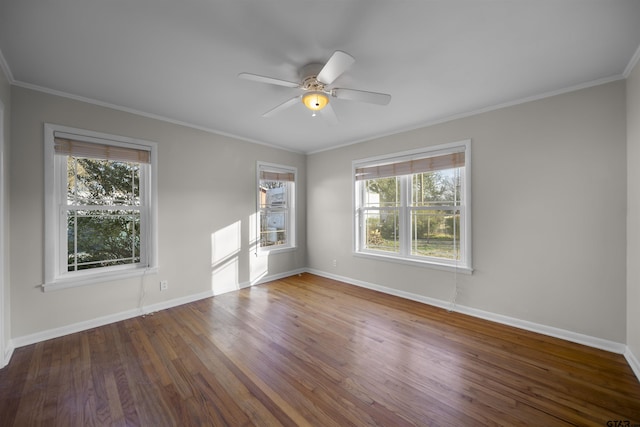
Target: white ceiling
[{"x": 179, "y": 60}]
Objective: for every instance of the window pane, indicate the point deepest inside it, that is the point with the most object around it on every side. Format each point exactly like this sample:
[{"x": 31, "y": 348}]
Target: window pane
[
  {"x": 382, "y": 230},
  {"x": 381, "y": 192},
  {"x": 436, "y": 188},
  {"x": 273, "y": 228},
  {"x": 435, "y": 233},
  {"x": 102, "y": 182},
  {"x": 273, "y": 194},
  {"x": 102, "y": 238}
]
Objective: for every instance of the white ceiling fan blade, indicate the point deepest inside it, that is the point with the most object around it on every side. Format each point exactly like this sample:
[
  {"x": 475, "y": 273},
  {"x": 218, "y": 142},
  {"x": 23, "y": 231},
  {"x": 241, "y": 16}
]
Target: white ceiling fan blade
[
  {"x": 335, "y": 66},
  {"x": 269, "y": 80},
  {"x": 362, "y": 96},
  {"x": 329, "y": 114},
  {"x": 283, "y": 106}
]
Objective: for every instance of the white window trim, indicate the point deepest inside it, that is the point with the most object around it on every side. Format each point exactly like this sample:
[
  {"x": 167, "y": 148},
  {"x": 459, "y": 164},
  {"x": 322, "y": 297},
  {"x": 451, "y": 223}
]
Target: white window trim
[
  {"x": 465, "y": 265},
  {"x": 292, "y": 243},
  {"x": 54, "y": 276}
]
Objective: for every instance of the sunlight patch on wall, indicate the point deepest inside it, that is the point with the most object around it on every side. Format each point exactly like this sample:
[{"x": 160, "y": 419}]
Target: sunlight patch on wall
[
  {"x": 225, "y": 243},
  {"x": 258, "y": 266},
  {"x": 253, "y": 232},
  {"x": 225, "y": 277},
  {"x": 225, "y": 248},
  {"x": 258, "y": 263}
]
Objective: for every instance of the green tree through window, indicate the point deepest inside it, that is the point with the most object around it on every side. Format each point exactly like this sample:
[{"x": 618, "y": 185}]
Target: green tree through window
[{"x": 103, "y": 216}]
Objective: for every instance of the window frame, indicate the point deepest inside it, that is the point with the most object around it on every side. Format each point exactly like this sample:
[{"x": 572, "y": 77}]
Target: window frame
[
  {"x": 56, "y": 275},
  {"x": 464, "y": 264},
  {"x": 290, "y": 211}
]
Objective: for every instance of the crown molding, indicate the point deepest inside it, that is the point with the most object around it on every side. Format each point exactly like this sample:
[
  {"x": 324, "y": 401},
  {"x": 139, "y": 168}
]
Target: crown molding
[
  {"x": 481, "y": 110},
  {"x": 632, "y": 63},
  {"x": 142, "y": 113},
  {"x": 4, "y": 66}
]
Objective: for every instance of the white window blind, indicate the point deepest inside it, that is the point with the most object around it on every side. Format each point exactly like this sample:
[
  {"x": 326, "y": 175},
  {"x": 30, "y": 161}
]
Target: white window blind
[
  {"x": 268, "y": 175},
  {"x": 73, "y": 147},
  {"x": 412, "y": 166}
]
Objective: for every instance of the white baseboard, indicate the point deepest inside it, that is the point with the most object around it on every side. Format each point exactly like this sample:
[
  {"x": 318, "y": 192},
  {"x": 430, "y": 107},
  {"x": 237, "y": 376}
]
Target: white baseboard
[
  {"x": 595, "y": 342},
  {"x": 590, "y": 341},
  {"x": 633, "y": 362},
  {"x": 269, "y": 278},
  {"x": 73, "y": 328},
  {"x": 7, "y": 355},
  {"x": 175, "y": 302},
  {"x": 128, "y": 314}
]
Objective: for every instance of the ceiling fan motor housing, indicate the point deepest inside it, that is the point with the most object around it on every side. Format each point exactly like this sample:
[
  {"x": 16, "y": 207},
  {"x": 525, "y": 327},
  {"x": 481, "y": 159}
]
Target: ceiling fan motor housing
[
  {"x": 309, "y": 77},
  {"x": 315, "y": 97}
]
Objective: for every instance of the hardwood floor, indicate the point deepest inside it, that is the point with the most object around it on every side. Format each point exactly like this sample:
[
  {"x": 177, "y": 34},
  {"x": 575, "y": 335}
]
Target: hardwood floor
[{"x": 309, "y": 351}]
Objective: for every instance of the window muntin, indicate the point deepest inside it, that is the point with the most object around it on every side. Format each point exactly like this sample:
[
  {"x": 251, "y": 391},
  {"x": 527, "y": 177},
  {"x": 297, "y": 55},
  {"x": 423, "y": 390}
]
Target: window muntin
[
  {"x": 414, "y": 206},
  {"x": 276, "y": 203},
  {"x": 100, "y": 207}
]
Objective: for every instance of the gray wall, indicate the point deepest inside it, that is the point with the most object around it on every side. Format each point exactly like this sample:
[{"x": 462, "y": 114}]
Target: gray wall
[
  {"x": 549, "y": 181},
  {"x": 5, "y": 308},
  {"x": 206, "y": 183},
  {"x": 633, "y": 217},
  {"x": 549, "y": 213}
]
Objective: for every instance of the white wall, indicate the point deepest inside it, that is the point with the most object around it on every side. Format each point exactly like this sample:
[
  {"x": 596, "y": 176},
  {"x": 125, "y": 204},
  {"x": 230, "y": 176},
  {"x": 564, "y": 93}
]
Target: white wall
[
  {"x": 633, "y": 217},
  {"x": 549, "y": 213},
  {"x": 206, "y": 185}
]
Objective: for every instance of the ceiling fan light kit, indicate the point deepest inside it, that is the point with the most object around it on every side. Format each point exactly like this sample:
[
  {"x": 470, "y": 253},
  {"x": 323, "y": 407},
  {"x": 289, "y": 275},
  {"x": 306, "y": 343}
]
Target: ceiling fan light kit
[
  {"x": 315, "y": 86},
  {"x": 315, "y": 101}
]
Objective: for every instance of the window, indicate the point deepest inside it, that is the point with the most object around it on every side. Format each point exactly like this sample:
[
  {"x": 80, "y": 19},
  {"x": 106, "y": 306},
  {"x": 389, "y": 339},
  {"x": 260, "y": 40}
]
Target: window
[
  {"x": 276, "y": 206},
  {"x": 414, "y": 206},
  {"x": 99, "y": 212}
]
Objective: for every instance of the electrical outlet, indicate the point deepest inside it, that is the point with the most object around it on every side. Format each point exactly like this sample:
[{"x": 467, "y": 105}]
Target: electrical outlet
[
  {"x": 334, "y": 263},
  {"x": 164, "y": 285}
]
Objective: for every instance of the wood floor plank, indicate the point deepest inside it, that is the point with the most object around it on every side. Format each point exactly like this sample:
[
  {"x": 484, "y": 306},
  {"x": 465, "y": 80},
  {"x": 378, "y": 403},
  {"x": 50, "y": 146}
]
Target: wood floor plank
[{"x": 310, "y": 351}]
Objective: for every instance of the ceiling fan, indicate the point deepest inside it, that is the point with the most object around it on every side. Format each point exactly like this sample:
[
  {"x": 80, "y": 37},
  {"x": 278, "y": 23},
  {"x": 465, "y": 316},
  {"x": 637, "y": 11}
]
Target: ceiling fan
[{"x": 316, "y": 81}]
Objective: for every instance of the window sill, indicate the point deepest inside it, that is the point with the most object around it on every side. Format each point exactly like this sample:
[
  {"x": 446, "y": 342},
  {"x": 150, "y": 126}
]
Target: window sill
[
  {"x": 416, "y": 262},
  {"x": 267, "y": 251},
  {"x": 91, "y": 279}
]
